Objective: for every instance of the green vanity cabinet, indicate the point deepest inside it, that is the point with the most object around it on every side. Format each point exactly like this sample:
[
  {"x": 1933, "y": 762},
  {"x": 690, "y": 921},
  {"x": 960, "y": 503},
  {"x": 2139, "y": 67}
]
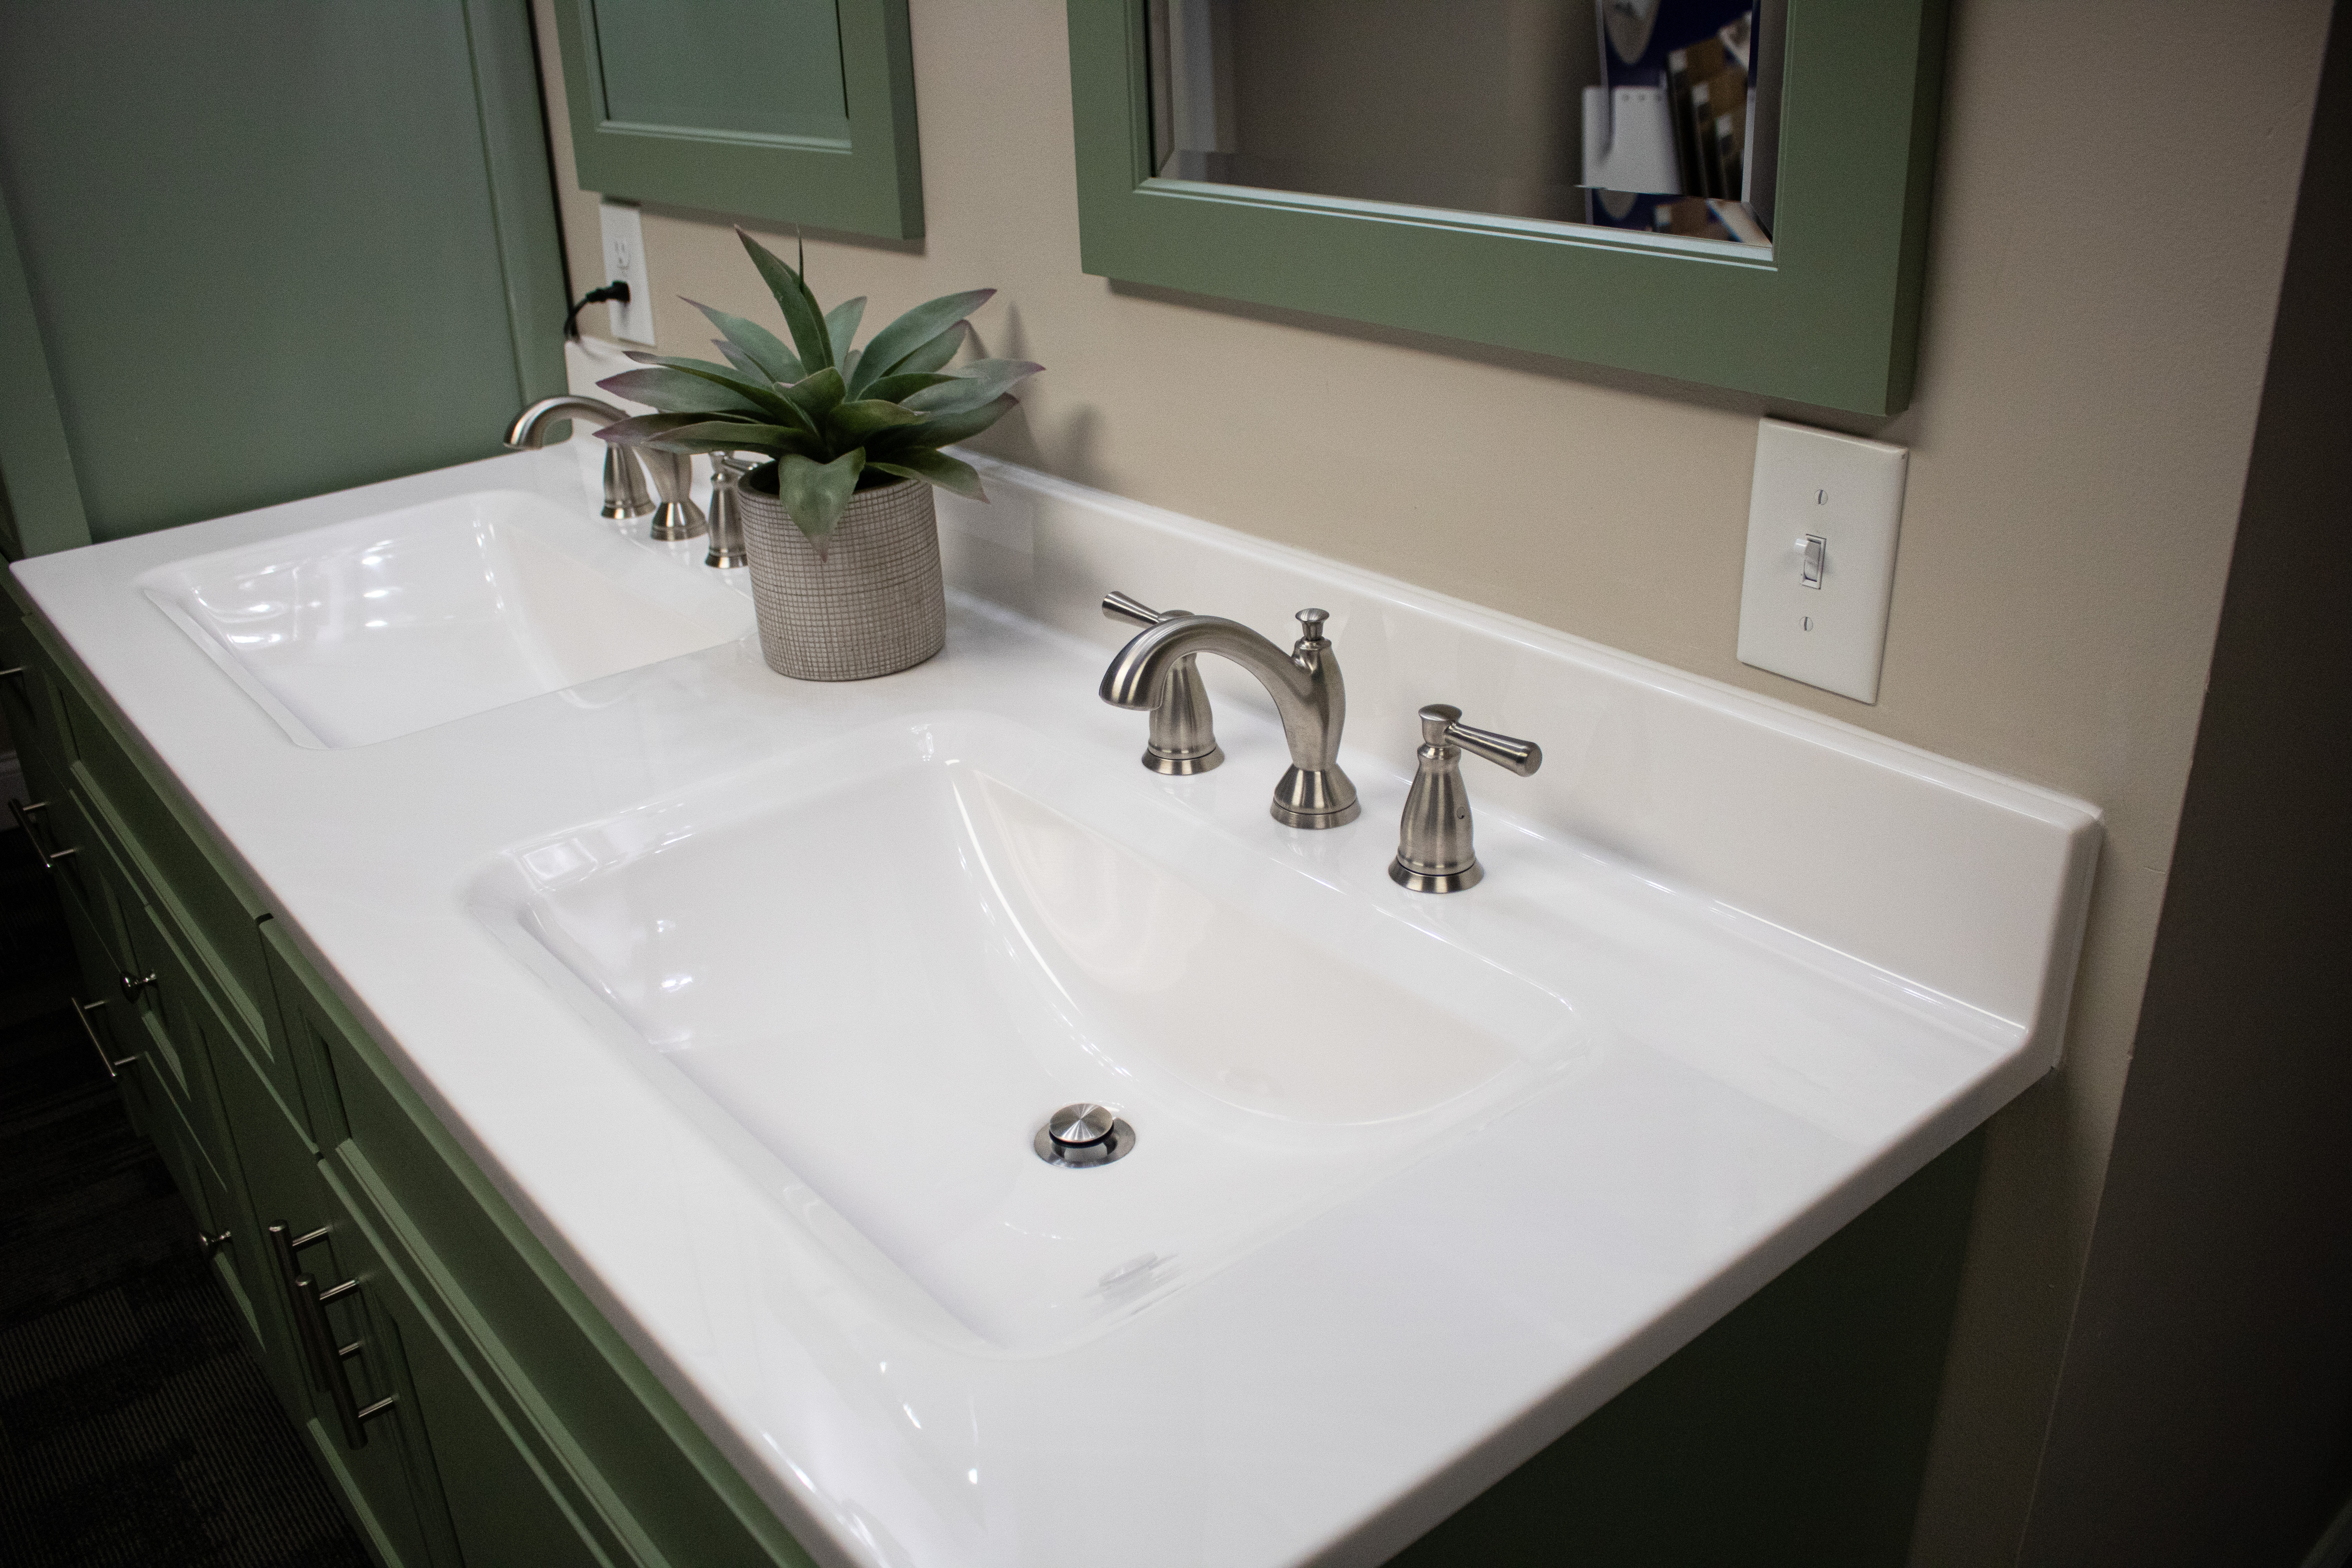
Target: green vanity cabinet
[{"x": 470, "y": 1404}]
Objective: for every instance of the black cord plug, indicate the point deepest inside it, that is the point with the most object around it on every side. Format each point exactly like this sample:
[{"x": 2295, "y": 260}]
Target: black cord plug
[{"x": 616, "y": 291}]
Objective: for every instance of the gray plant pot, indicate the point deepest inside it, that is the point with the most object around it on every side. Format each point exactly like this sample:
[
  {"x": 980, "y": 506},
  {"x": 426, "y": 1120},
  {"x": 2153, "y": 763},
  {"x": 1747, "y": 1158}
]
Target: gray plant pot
[{"x": 874, "y": 603}]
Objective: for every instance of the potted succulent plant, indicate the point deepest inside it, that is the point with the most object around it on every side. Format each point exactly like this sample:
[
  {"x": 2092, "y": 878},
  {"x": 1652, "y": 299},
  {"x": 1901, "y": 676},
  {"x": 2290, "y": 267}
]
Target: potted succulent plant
[{"x": 839, "y": 524}]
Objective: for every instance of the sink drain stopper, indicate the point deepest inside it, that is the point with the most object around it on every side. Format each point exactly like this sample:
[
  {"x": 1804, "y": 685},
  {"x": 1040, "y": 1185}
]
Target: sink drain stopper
[{"x": 1084, "y": 1134}]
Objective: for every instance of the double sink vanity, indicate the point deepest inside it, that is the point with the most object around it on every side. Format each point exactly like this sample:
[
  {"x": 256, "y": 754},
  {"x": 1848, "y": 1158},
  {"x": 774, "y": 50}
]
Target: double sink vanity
[{"x": 663, "y": 1050}]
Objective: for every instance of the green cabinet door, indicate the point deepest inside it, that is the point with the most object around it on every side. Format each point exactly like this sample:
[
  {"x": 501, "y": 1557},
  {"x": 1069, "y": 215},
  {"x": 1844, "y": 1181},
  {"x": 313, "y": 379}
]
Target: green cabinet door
[
  {"x": 379, "y": 1464},
  {"x": 504, "y": 1506}
]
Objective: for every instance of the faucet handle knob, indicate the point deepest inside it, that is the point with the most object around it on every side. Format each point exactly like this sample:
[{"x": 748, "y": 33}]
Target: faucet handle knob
[
  {"x": 1441, "y": 725},
  {"x": 1310, "y": 624},
  {"x": 1119, "y": 606}
]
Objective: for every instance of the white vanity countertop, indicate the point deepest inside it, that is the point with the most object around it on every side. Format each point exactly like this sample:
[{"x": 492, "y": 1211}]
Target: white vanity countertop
[{"x": 1805, "y": 960}]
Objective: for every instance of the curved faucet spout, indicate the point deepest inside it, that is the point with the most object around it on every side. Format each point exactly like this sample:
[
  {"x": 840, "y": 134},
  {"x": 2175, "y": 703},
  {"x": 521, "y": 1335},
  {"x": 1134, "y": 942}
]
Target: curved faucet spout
[
  {"x": 529, "y": 432},
  {"x": 624, "y": 479},
  {"x": 1303, "y": 683}
]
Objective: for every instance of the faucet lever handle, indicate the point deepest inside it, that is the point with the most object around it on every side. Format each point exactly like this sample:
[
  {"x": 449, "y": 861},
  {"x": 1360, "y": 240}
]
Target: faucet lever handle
[
  {"x": 1119, "y": 606},
  {"x": 1441, "y": 725}
]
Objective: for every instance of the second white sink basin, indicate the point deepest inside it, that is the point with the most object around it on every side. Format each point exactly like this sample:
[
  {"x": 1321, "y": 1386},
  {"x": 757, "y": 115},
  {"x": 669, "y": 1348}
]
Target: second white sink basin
[
  {"x": 888, "y": 963},
  {"x": 361, "y": 631}
]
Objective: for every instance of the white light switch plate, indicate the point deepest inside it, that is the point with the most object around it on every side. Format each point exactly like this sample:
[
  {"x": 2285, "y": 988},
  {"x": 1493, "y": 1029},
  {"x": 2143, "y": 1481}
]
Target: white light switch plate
[
  {"x": 1842, "y": 497},
  {"x": 624, "y": 262}
]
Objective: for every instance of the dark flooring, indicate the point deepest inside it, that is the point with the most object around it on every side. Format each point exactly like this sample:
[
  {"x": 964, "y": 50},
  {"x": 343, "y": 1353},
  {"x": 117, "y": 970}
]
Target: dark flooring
[{"x": 134, "y": 1430}]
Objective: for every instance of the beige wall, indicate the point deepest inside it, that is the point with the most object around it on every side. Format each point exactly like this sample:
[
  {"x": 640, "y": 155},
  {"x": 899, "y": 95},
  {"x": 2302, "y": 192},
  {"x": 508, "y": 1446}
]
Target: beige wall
[{"x": 2093, "y": 351}]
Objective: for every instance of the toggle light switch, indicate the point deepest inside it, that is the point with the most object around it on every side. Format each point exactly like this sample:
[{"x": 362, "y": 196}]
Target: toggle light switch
[{"x": 1822, "y": 522}]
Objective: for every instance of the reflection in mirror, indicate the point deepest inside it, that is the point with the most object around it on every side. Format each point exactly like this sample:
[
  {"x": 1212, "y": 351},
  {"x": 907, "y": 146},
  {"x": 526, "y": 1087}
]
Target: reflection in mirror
[{"x": 1657, "y": 115}]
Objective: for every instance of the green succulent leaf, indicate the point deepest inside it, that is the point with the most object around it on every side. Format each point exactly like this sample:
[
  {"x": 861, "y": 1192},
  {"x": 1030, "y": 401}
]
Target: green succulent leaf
[
  {"x": 815, "y": 495},
  {"x": 682, "y": 389},
  {"x": 934, "y": 468},
  {"x": 754, "y": 387},
  {"x": 901, "y": 387},
  {"x": 802, "y": 317},
  {"x": 941, "y": 429},
  {"x": 916, "y": 328},
  {"x": 841, "y": 326},
  {"x": 933, "y": 355},
  {"x": 971, "y": 385},
  {"x": 730, "y": 436},
  {"x": 814, "y": 397},
  {"x": 764, "y": 349},
  {"x": 643, "y": 428},
  {"x": 851, "y": 424},
  {"x": 744, "y": 363},
  {"x": 849, "y": 362}
]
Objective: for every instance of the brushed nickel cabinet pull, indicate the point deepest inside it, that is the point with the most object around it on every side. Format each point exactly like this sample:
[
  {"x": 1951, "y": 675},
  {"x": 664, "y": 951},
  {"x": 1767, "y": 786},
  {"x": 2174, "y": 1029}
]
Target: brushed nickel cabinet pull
[
  {"x": 134, "y": 984},
  {"x": 328, "y": 1358},
  {"x": 83, "y": 1010},
  {"x": 23, "y": 815},
  {"x": 320, "y": 1351}
]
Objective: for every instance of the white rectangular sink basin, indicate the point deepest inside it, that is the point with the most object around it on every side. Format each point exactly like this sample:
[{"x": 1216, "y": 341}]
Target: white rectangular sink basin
[
  {"x": 886, "y": 964},
  {"x": 384, "y": 625}
]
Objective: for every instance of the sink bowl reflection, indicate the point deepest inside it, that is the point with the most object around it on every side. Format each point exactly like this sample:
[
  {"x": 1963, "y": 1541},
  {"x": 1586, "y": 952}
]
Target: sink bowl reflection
[
  {"x": 384, "y": 625},
  {"x": 977, "y": 930}
]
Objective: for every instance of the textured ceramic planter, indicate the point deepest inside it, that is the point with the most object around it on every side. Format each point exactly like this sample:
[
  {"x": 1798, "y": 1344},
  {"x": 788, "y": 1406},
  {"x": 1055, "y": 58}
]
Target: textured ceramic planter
[{"x": 873, "y": 603}]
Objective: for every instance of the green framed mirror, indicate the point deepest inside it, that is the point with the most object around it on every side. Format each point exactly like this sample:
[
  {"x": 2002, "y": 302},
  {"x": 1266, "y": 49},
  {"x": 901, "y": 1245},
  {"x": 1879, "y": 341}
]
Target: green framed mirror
[
  {"x": 798, "y": 111},
  {"x": 1228, "y": 148}
]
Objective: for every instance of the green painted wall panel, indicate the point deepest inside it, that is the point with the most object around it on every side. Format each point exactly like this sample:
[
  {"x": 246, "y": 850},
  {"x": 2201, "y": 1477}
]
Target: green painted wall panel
[
  {"x": 264, "y": 249},
  {"x": 41, "y": 508}
]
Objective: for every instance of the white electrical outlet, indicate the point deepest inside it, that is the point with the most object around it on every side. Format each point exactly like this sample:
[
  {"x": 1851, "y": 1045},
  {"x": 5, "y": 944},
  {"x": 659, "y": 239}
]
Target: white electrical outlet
[
  {"x": 1822, "y": 522},
  {"x": 624, "y": 262}
]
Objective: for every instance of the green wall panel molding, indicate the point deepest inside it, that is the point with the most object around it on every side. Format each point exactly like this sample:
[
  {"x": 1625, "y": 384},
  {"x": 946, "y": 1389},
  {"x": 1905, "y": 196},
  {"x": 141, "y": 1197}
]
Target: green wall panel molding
[
  {"x": 1831, "y": 319},
  {"x": 264, "y": 251},
  {"x": 794, "y": 110},
  {"x": 40, "y": 505}
]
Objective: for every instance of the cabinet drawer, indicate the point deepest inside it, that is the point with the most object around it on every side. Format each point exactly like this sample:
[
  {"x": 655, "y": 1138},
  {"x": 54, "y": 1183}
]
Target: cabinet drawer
[
  {"x": 113, "y": 1027},
  {"x": 60, "y": 834},
  {"x": 165, "y": 839},
  {"x": 27, "y": 693}
]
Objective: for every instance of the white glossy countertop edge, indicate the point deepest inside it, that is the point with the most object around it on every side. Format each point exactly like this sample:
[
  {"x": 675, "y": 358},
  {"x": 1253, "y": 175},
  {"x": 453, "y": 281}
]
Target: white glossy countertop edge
[{"x": 1300, "y": 1472}]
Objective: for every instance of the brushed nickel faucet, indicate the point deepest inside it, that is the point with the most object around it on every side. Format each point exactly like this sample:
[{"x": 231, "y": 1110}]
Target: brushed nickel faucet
[
  {"x": 1183, "y": 730},
  {"x": 626, "y": 493},
  {"x": 1303, "y": 683},
  {"x": 1433, "y": 853}
]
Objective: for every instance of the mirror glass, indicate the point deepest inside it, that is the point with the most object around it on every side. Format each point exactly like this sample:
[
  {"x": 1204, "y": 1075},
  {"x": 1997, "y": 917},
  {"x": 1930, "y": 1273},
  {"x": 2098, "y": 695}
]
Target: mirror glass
[{"x": 1653, "y": 115}]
